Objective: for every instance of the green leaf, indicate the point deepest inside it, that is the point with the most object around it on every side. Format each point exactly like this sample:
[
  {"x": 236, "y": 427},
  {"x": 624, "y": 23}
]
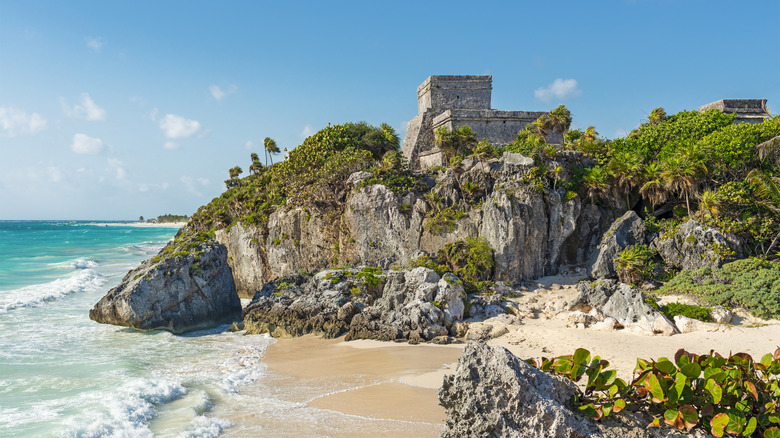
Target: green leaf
[
  {"x": 641, "y": 364},
  {"x": 609, "y": 377},
  {"x": 772, "y": 432},
  {"x": 766, "y": 360},
  {"x": 715, "y": 390},
  {"x": 689, "y": 416},
  {"x": 656, "y": 390},
  {"x": 691, "y": 370},
  {"x": 620, "y": 404},
  {"x": 751, "y": 427},
  {"x": 581, "y": 356},
  {"x": 673, "y": 418},
  {"x": 719, "y": 423},
  {"x": 665, "y": 366}
]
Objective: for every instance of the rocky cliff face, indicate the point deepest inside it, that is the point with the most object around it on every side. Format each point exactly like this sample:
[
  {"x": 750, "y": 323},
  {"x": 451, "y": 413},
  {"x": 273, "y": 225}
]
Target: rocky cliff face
[
  {"x": 179, "y": 293},
  {"x": 533, "y": 228}
]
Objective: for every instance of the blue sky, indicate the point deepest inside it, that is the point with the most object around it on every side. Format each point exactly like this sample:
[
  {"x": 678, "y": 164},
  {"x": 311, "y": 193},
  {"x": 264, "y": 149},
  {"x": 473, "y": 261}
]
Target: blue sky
[{"x": 111, "y": 110}]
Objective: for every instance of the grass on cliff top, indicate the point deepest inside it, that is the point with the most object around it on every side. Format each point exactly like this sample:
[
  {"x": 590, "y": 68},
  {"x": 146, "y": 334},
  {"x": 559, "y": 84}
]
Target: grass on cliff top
[
  {"x": 314, "y": 174},
  {"x": 752, "y": 283}
]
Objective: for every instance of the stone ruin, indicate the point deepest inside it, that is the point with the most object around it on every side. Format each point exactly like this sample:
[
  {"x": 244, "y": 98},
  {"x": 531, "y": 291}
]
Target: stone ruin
[
  {"x": 747, "y": 110},
  {"x": 453, "y": 102}
]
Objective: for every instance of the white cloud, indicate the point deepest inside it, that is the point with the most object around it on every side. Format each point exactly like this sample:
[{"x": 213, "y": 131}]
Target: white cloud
[
  {"x": 145, "y": 187},
  {"x": 174, "y": 126},
  {"x": 96, "y": 44},
  {"x": 87, "y": 109},
  {"x": 249, "y": 145},
  {"x": 559, "y": 89},
  {"x": 151, "y": 115},
  {"x": 55, "y": 174},
  {"x": 171, "y": 145},
  {"x": 218, "y": 93},
  {"x": 307, "y": 131},
  {"x": 15, "y": 121},
  {"x": 193, "y": 184},
  {"x": 116, "y": 166},
  {"x": 86, "y": 145}
]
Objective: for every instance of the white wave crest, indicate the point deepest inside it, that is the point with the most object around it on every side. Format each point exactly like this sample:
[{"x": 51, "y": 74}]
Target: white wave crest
[
  {"x": 38, "y": 294},
  {"x": 83, "y": 264},
  {"x": 206, "y": 427},
  {"x": 129, "y": 410}
]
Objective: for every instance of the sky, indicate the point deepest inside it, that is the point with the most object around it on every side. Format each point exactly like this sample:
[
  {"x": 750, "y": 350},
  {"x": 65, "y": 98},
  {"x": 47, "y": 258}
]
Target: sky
[{"x": 115, "y": 110}]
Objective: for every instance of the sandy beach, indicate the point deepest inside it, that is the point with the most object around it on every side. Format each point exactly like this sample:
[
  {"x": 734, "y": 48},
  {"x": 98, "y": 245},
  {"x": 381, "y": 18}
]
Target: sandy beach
[{"x": 392, "y": 388}]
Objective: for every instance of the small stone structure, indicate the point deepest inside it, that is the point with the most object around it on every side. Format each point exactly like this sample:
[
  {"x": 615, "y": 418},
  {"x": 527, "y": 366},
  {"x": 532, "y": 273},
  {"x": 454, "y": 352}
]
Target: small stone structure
[
  {"x": 747, "y": 110},
  {"x": 453, "y": 102}
]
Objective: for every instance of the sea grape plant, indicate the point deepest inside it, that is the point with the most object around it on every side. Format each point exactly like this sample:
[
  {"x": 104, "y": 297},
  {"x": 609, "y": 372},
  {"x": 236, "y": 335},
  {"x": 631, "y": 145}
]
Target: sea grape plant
[{"x": 734, "y": 396}]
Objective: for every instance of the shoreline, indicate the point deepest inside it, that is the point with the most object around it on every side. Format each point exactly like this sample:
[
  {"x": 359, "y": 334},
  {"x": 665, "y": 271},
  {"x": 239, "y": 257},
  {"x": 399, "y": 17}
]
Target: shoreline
[
  {"x": 354, "y": 389},
  {"x": 392, "y": 388},
  {"x": 142, "y": 224}
]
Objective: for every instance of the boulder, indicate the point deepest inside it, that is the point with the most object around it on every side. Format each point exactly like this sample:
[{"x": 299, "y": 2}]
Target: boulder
[
  {"x": 690, "y": 325},
  {"x": 493, "y": 393},
  {"x": 177, "y": 294},
  {"x": 406, "y": 305},
  {"x": 695, "y": 246},
  {"x": 721, "y": 315},
  {"x": 626, "y": 231},
  {"x": 625, "y": 304}
]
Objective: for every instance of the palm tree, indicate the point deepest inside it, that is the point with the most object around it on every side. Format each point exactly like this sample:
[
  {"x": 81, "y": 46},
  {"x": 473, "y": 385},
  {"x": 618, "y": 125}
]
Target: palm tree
[
  {"x": 455, "y": 142},
  {"x": 271, "y": 148},
  {"x": 542, "y": 126},
  {"x": 767, "y": 189},
  {"x": 656, "y": 116},
  {"x": 626, "y": 170},
  {"x": 653, "y": 187},
  {"x": 390, "y": 135},
  {"x": 255, "y": 161},
  {"x": 560, "y": 120},
  {"x": 596, "y": 181},
  {"x": 682, "y": 175},
  {"x": 233, "y": 172},
  {"x": 590, "y": 133}
]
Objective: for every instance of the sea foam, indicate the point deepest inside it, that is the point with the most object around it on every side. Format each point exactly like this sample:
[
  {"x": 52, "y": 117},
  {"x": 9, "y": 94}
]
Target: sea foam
[
  {"x": 38, "y": 294},
  {"x": 129, "y": 410},
  {"x": 83, "y": 264}
]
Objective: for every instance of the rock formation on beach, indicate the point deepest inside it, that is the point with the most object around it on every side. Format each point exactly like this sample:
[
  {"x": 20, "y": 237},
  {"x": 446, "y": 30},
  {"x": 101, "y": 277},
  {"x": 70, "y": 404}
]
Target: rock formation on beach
[
  {"x": 178, "y": 293},
  {"x": 496, "y": 394}
]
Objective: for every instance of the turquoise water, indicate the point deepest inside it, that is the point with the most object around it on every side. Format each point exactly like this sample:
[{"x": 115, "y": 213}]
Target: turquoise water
[{"x": 62, "y": 374}]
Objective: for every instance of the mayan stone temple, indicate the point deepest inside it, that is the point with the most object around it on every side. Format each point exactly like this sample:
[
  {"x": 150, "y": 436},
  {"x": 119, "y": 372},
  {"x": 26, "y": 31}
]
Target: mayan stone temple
[
  {"x": 455, "y": 101},
  {"x": 747, "y": 110}
]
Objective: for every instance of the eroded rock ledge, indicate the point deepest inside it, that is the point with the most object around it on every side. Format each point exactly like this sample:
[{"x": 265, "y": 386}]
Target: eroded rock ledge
[{"x": 406, "y": 305}]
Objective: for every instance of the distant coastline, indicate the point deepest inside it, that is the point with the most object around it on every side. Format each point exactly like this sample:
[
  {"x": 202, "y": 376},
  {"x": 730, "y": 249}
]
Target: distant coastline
[{"x": 145, "y": 224}]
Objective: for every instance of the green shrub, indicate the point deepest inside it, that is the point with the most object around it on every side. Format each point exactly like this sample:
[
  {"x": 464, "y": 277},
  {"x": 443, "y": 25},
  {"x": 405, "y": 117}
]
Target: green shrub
[
  {"x": 750, "y": 283},
  {"x": 444, "y": 220},
  {"x": 734, "y": 395},
  {"x": 635, "y": 264},
  {"x": 470, "y": 259},
  {"x": 689, "y": 310}
]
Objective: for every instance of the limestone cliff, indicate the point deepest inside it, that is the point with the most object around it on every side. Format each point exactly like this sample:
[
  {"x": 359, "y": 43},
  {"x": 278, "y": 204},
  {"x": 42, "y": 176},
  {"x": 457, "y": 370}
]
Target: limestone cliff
[{"x": 533, "y": 229}]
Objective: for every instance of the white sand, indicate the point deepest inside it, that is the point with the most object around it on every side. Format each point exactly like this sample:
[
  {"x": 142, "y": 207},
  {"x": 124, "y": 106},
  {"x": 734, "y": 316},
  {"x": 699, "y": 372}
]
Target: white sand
[{"x": 406, "y": 377}]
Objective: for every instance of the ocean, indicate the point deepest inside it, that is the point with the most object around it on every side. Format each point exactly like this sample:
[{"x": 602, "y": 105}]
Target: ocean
[{"x": 63, "y": 375}]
